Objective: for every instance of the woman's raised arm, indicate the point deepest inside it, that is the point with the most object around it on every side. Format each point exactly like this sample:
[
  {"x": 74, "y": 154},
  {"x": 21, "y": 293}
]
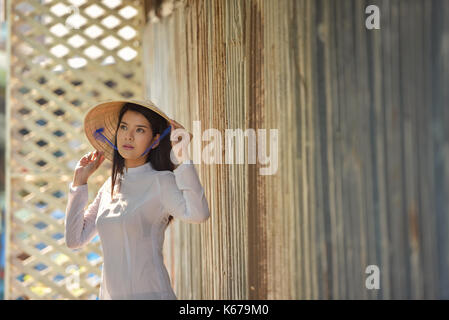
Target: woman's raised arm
[
  {"x": 80, "y": 227},
  {"x": 182, "y": 194}
]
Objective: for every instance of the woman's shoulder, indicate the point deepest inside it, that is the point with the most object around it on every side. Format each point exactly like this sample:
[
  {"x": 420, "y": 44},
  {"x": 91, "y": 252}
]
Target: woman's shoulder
[
  {"x": 108, "y": 181},
  {"x": 106, "y": 185},
  {"x": 163, "y": 171},
  {"x": 164, "y": 174},
  {"x": 165, "y": 177}
]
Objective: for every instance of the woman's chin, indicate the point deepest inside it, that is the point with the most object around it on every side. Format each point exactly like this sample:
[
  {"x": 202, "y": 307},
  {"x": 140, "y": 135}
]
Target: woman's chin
[{"x": 127, "y": 154}]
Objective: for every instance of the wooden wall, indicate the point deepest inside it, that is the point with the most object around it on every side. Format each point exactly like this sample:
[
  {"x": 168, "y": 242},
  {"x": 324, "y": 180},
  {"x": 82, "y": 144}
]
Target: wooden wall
[{"x": 363, "y": 145}]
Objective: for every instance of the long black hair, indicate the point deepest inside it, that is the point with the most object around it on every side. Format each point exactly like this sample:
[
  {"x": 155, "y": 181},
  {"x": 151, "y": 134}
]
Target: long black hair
[{"x": 159, "y": 157}]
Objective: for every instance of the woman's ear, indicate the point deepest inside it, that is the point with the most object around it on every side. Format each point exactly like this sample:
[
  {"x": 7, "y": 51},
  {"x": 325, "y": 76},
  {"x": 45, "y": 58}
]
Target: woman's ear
[{"x": 155, "y": 138}]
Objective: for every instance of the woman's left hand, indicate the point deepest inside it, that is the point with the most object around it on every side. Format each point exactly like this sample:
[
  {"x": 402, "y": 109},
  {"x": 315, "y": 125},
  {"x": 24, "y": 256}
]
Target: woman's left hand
[{"x": 176, "y": 125}]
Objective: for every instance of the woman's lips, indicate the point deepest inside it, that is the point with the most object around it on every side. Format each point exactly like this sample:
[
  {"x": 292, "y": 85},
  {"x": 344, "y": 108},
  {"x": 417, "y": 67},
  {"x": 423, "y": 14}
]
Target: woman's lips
[{"x": 128, "y": 148}]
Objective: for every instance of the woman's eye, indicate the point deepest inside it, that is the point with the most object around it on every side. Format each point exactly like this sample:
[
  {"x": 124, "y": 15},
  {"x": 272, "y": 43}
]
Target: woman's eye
[{"x": 124, "y": 127}]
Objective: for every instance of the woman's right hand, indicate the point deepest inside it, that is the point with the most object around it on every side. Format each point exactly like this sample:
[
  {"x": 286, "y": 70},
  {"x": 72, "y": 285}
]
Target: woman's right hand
[{"x": 86, "y": 166}]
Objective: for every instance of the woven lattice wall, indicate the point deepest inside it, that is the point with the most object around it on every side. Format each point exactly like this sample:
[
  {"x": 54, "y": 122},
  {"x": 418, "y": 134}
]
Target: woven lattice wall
[{"x": 65, "y": 56}]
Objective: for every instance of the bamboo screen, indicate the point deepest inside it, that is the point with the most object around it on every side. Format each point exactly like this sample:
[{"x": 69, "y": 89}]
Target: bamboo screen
[
  {"x": 65, "y": 56},
  {"x": 363, "y": 146}
]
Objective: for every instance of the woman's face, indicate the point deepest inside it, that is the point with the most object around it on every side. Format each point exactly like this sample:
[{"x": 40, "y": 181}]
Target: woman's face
[{"x": 134, "y": 130}]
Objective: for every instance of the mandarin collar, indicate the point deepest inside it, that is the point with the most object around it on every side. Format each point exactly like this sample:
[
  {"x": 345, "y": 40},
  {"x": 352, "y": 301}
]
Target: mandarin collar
[{"x": 138, "y": 170}]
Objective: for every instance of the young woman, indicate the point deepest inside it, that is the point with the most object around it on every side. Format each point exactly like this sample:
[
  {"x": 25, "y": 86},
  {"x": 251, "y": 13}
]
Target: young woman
[{"x": 134, "y": 206}]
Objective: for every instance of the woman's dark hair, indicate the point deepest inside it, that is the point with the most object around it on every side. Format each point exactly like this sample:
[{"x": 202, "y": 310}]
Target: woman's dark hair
[{"x": 159, "y": 156}]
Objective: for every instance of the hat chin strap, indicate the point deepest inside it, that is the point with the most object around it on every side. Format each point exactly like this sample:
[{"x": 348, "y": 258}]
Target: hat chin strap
[
  {"x": 98, "y": 134},
  {"x": 166, "y": 131}
]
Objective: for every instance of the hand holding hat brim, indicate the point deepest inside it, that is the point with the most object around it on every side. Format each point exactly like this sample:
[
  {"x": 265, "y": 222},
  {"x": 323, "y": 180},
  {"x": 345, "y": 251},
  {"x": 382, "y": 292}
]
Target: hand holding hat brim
[{"x": 177, "y": 125}]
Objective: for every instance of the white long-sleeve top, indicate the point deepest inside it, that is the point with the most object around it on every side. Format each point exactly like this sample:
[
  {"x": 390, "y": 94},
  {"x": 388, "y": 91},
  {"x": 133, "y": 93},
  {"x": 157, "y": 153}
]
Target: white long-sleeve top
[{"x": 132, "y": 226}]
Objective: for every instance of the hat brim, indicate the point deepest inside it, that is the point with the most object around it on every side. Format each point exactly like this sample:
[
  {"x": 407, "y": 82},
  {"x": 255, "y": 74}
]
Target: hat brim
[{"x": 105, "y": 115}]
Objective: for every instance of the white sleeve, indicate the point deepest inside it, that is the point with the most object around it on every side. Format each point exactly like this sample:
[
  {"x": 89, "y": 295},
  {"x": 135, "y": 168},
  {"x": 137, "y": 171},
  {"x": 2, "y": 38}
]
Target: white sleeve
[
  {"x": 80, "y": 226},
  {"x": 182, "y": 194}
]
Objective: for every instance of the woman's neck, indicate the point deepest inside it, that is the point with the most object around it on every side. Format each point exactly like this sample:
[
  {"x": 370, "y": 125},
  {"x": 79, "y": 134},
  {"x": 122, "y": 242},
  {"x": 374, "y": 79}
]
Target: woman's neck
[{"x": 132, "y": 163}]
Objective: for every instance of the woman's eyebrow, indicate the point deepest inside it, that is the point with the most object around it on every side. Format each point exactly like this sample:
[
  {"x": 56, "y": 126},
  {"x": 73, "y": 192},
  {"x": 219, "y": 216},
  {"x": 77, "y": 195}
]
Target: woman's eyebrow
[{"x": 139, "y": 125}]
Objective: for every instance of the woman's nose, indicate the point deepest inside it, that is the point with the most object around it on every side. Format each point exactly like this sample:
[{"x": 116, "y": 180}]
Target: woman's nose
[{"x": 129, "y": 135}]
